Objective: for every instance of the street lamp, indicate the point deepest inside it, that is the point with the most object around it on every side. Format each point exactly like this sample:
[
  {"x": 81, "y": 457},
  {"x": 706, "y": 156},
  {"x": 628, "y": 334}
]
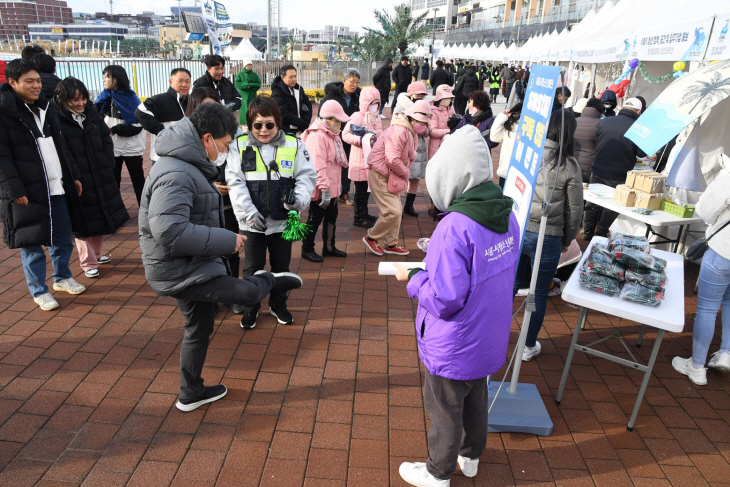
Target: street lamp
[
  {"x": 433, "y": 40},
  {"x": 179, "y": 15}
]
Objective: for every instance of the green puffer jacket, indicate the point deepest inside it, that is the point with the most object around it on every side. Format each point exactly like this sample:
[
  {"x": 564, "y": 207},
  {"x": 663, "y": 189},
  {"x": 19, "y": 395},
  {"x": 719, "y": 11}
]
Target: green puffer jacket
[{"x": 247, "y": 83}]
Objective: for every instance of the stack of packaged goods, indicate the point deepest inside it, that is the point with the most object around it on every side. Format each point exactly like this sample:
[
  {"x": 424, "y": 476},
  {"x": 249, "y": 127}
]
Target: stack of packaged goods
[
  {"x": 626, "y": 267},
  {"x": 643, "y": 189}
]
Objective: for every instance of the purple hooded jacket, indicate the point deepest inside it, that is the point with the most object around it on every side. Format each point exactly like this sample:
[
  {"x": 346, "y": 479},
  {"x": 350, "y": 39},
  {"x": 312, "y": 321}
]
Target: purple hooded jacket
[{"x": 465, "y": 298}]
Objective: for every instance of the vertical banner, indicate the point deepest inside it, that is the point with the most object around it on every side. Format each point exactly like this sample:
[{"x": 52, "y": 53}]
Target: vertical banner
[
  {"x": 210, "y": 25},
  {"x": 225, "y": 28},
  {"x": 720, "y": 40},
  {"x": 530, "y": 141}
]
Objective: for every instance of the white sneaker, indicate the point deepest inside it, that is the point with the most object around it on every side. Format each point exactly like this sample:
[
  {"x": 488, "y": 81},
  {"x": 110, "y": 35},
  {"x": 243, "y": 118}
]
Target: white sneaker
[
  {"x": 468, "y": 466},
  {"x": 383, "y": 116},
  {"x": 92, "y": 273},
  {"x": 416, "y": 474},
  {"x": 720, "y": 361},
  {"x": 104, "y": 259},
  {"x": 46, "y": 302},
  {"x": 684, "y": 366},
  {"x": 69, "y": 285},
  {"x": 529, "y": 352}
]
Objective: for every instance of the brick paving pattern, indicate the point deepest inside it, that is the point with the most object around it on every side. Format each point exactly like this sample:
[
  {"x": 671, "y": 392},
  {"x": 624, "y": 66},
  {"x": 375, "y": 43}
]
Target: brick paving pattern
[{"x": 87, "y": 392}]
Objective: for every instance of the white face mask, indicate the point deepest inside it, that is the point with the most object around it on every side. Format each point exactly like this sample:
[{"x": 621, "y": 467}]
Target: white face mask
[
  {"x": 220, "y": 158},
  {"x": 445, "y": 102},
  {"x": 374, "y": 108}
]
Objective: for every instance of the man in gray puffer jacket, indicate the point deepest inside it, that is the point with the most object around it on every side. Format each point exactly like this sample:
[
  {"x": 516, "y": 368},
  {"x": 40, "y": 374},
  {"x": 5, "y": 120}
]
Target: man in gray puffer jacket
[{"x": 182, "y": 236}]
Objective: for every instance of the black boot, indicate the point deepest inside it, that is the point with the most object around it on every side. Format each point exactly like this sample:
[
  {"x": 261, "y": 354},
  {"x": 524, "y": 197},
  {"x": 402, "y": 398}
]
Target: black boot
[
  {"x": 408, "y": 208},
  {"x": 328, "y": 234}
]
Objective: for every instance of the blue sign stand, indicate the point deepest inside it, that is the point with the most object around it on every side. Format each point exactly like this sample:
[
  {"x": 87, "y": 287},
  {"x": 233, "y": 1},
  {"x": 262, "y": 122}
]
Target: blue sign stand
[{"x": 520, "y": 408}]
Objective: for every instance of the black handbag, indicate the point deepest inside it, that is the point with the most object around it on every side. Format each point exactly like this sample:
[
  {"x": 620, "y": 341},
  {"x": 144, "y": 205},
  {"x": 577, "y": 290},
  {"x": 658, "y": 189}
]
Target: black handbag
[{"x": 698, "y": 249}]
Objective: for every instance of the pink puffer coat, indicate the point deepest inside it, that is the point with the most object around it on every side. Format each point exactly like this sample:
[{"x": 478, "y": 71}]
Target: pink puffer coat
[
  {"x": 438, "y": 128},
  {"x": 326, "y": 156},
  {"x": 357, "y": 161},
  {"x": 395, "y": 150}
]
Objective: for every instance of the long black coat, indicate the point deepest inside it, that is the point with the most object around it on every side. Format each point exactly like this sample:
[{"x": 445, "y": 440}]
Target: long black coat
[
  {"x": 467, "y": 83},
  {"x": 615, "y": 154},
  {"x": 93, "y": 151},
  {"x": 283, "y": 97},
  {"x": 402, "y": 77},
  {"x": 440, "y": 76},
  {"x": 381, "y": 80},
  {"x": 22, "y": 172}
]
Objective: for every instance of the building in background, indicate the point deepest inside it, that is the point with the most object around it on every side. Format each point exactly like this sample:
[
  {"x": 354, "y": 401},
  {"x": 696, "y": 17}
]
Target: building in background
[
  {"x": 329, "y": 34},
  {"x": 16, "y": 16},
  {"x": 101, "y": 31}
]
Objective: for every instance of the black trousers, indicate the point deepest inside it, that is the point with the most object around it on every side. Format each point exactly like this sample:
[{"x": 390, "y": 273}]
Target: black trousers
[
  {"x": 197, "y": 305},
  {"x": 316, "y": 215},
  {"x": 458, "y": 412},
  {"x": 344, "y": 175},
  {"x": 598, "y": 218},
  {"x": 234, "y": 260},
  {"x": 395, "y": 99},
  {"x": 255, "y": 260},
  {"x": 361, "y": 199},
  {"x": 136, "y": 173},
  {"x": 460, "y": 104}
]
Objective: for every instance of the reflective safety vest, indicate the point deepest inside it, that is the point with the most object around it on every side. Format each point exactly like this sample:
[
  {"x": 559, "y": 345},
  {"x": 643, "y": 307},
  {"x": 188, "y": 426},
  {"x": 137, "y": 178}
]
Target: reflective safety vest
[
  {"x": 267, "y": 182},
  {"x": 494, "y": 81}
]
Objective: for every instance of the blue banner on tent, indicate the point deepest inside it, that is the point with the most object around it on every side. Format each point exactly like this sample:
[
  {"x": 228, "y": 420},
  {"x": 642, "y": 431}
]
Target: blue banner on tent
[{"x": 530, "y": 141}]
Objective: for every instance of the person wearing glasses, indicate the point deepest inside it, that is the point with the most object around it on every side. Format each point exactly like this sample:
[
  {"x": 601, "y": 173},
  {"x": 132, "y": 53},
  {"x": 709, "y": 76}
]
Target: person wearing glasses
[
  {"x": 269, "y": 174},
  {"x": 347, "y": 94}
]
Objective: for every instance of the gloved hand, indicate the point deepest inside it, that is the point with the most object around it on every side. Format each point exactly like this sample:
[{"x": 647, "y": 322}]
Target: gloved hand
[
  {"x": 358, "y": 130},
  {"x": 296, "y": 206},
  {"x": 114, "y": 130},
  {"x": 257, "y": 222},
  {"x": 326, "y": 198},
  {"x": 453, "y": 121}
]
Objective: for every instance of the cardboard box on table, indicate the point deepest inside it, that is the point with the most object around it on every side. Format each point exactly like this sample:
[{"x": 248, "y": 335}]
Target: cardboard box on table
[
  {"x": 649, "y": 182},
  {"x": 624, "y": 195},
  {"x": 649, "y": 201}
]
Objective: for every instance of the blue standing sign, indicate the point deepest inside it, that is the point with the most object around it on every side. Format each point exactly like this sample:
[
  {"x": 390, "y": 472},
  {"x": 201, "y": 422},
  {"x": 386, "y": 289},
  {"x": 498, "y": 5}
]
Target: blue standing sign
[{"x": 530, "y": 141}]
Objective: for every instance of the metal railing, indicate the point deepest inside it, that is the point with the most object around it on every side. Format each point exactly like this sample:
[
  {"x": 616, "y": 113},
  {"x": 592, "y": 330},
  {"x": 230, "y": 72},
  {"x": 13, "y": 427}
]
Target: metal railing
[{"x": 151, "y": 76}]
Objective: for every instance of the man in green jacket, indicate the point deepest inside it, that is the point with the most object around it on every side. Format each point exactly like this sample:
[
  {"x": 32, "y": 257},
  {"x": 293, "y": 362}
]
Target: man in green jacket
[{"x": 247, "y": 83}]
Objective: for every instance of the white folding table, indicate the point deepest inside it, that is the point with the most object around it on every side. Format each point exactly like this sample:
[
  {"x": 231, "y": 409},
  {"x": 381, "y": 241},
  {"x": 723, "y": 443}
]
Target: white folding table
[
  {"x": 602, "y": 195},
  {"x": 668, "y": 316}
]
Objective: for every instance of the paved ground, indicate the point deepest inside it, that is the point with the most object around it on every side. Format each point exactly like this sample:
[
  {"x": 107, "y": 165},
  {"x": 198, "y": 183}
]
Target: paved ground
[{"x": 87, "y": 391}]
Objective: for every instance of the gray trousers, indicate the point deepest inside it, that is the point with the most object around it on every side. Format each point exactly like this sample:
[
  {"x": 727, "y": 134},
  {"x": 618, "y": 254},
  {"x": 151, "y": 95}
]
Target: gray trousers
[
  {"x": 197, "y": 305},
  {"x": 458, "y": 412}
]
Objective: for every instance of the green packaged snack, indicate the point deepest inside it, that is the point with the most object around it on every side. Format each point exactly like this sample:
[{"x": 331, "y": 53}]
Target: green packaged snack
[
  {"x": 629, "y": 241},
  {"x": 594, "y": 281},
  {"x": 643, "y": 295},
  {"x": 601, "y": 260},
  {"x": 651, "y": 279},
  {"x": 629, "y": 257}
]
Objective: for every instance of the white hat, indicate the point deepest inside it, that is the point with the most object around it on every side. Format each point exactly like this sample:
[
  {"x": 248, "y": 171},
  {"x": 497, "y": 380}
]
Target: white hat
[
  {"x": 247, "y": 61},
  {"x": 634, "y": 103}
]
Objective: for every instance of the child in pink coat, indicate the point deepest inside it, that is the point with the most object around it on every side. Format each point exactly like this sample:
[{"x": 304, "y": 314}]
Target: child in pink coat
[
  {"x": 328, "y": 156},
  {"x": 440, "y": 113},
  {"x": 367, "y": 117}
]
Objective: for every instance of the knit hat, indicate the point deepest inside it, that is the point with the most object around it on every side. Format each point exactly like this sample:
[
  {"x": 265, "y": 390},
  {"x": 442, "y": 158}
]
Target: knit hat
[
  {"x": 420, "y": 111},
  {"x": 332, "y": 109},
  {"x": 443, "y": 91},
  {"x": 417, "y": 88},
  {"x": 247, "y": 61},
  {"x": 446, "y": 180}
]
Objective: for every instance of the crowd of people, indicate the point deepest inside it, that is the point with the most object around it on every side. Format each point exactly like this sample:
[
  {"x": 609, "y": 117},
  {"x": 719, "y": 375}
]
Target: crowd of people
[{"x": 230, "y": 165}]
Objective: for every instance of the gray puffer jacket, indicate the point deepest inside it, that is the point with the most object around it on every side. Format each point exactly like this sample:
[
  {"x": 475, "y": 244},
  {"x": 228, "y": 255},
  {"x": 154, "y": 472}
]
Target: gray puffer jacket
[
  {"x": 418, "y": 169},
  {"x": 181, "y": 223},
  {"x": 566, "y": 204},
  {"x": 584, "y": 140}
]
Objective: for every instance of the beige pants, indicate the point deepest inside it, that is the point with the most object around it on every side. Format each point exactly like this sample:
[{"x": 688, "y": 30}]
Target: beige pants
[{"x": 391, "y": 211}]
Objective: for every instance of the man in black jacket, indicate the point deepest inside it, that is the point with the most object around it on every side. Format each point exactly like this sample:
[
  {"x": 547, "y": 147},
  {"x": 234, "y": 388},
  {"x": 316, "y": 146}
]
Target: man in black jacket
[
  {"x": 160, "y": 111},
  {"x": 615, "y": 156},
  {"x": 440, "y": 76},
  {"x": 46, "y": 67},
  {"x": 467, "y": 83},
  {"x": 347, "y": 94},
  {"x": 294, "y": 104},
  {"x": 381, "y": 80},
  {"x": 214, "y": 78},
  {"x": 39, "y": 183},
  {"x": 401, "y": 78}
]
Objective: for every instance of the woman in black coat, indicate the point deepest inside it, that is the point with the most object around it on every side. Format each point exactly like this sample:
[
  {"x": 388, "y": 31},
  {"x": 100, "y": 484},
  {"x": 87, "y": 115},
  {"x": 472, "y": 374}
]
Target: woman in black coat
[{"x": 90, "y": 144}]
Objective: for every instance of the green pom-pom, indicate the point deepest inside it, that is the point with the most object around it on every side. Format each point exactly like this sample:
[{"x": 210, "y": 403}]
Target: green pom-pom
[{"x": 295, "y": 230}]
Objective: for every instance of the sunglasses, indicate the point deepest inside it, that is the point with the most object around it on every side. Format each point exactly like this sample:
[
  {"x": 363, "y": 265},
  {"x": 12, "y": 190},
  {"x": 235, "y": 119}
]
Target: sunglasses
[{"x": 269, "y": 125}]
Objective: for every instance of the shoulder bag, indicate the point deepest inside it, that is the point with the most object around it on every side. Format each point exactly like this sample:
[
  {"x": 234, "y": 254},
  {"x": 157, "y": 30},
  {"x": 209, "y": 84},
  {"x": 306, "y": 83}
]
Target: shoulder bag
[{"x": 698, "y": 249}]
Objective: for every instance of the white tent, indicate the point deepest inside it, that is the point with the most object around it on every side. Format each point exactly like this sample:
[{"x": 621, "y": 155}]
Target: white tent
[{"x": 245, "y": 50}]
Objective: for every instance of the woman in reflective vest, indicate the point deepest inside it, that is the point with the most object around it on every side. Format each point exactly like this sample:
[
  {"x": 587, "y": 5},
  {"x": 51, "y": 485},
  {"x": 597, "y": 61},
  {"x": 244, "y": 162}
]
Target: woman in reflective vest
[
  {"x": 494, "y": 81},
  {"x": 269, "y": 174}
]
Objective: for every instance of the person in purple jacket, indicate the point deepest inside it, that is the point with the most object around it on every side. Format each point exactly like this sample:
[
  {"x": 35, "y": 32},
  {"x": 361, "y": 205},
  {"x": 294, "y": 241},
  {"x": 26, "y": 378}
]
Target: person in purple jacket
[{"x": 464, "y": 304}]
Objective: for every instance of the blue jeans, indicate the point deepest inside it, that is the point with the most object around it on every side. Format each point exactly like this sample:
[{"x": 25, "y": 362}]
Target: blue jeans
[
  {"x": 714, "y": 291},
  {"x": 551, "y": 249},
  {"x": 34, "y": 258}
]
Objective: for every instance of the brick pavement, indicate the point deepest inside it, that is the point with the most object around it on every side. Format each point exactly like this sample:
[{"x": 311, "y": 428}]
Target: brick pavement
[{"x": 87, "y": 392}]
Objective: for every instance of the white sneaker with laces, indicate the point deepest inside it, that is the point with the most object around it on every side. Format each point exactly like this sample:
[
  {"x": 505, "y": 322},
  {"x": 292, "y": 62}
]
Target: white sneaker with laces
[
  {"x": 69, "y": 285},
  {"x": 468, "y": 466},
  {"x": 529, "y": 352},
  {"x": 417, "y": 474},
  {"x": 104, "y": 259},
  {"x": 684, "y": 366},
  {"x": 92, "y": 273},
  {"x": 383, "y": 116},
  {"x": 720, "y": 361},
  {"x": 46, "y": 302}
]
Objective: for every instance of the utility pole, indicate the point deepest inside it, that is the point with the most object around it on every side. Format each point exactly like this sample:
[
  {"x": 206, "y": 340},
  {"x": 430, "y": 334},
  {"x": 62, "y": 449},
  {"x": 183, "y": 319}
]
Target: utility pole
[
  {"x": 433, "y": 40},
  {"x": 111, "y": 11},
  {"x": 179, "y": 14},
  {"x": 268, "y": 32}
]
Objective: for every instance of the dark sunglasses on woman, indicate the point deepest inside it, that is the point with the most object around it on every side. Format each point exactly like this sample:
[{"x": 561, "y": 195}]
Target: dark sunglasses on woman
[{"x": 269, "y": 125}]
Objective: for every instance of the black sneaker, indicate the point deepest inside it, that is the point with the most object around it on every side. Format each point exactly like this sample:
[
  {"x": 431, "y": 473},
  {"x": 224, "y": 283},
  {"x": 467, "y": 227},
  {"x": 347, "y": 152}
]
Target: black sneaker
[
  {"x": 284, "y": 281},
  {"x": 282, "y": 315},
  {"x": 372, "y": 218},
  {"x": 335, "y": 252},
  {"x": 311, "y": 256},
  {"x": 248, "y": 320},
  {"x": 210, "y": 394},
  {"x": 364, "y": 223}
]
